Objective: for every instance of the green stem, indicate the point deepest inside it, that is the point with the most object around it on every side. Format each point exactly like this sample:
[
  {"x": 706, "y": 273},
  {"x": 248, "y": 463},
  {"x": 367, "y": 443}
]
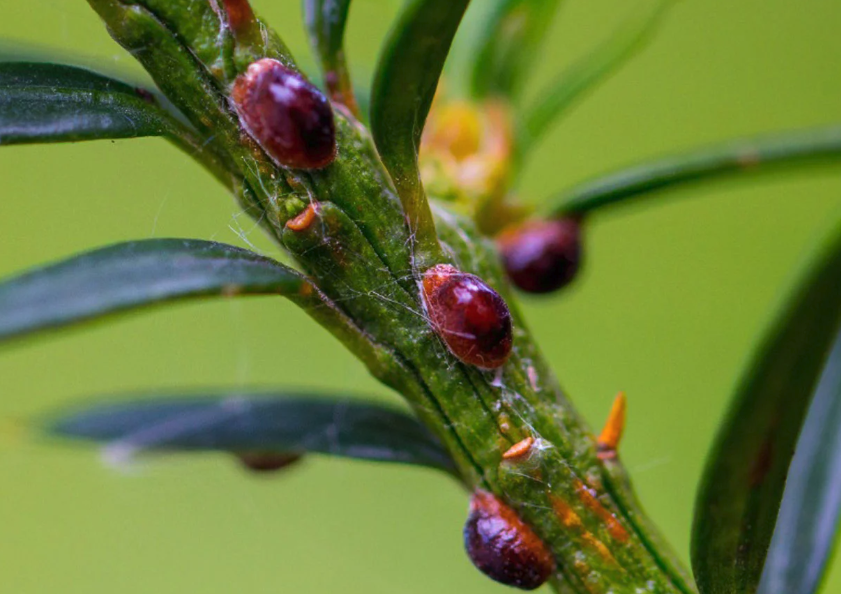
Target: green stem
[
  {"x": 749, "y": 155},
  {"x": 362, "y": 248},
  {"x": 528, "y": 397},
  {"x": 509, "y": 46},
  {"x": 326, "y": 21}
]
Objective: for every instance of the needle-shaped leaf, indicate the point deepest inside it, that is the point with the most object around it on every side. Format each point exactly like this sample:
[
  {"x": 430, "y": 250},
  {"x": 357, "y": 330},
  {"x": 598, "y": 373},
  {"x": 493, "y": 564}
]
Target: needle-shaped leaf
[
  {"x": 742, "y": 486},
  {"x": 590, "y": 71},
  {"x": 133, "y": 275},
  {"x": 741, "y": 156},
  {"x": 248, "y": 421},
  {"x": 55, "y": 103},
  {"x": 509, "y": 47},
  {"x": 326, "y": 21},
  {"x": 43, "y": 102},
  {"x": 18, "y": 51},
  {"x": 809, "y": 514},
  {"x": 137, "y": 274},
  {"x": 404, "y": 85}
]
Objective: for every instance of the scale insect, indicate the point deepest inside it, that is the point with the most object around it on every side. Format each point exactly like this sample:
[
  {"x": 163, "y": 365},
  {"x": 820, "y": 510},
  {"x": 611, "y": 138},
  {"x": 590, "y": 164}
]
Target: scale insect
[
  {"x": 469, "y": 316},
  {"x": 287, "y": 116}
]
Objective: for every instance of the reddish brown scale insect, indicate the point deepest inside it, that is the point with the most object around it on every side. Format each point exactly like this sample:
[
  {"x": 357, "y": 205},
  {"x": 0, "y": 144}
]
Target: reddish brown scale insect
[
  {"x": 503, "y": 547},
  {"x": 542, "y": 256},
  {"x": 286, "y": 115},
  {"x": 470, "y": 317},
  {"x": 267, "y": 461},
  {"x": 240, "y": 16}
]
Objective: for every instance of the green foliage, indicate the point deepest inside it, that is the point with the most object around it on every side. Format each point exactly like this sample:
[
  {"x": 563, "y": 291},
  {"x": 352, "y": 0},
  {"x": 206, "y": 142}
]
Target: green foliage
[
  {"x": 362, "y": 255},
  {"x": 809, "y": 514},
  {"x": 404, "y": 86},
  {"x": 743, "y": 156},
  {"x": 586, "y": 74},
  {"x": 743, "y": 483},
  {"x": 326, "y": 21},
  {"x": 510, "y": 46},
  {"x": 133, "y": 275},
  {"x": 43, "y": 102},
  {"x": 54, "y": 103},
  {"x": 245, "y": 421}
]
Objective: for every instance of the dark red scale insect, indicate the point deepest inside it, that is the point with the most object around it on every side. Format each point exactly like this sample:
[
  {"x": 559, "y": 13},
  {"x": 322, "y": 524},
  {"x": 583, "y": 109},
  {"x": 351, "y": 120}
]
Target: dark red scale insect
[
  {"x": 286, "y": 115},
  {"x": 542, "y": 256},
  {"x": 267, "y": 461},
  {"x": 470, "y": 317},
  {"x": 503, "y": 547}
]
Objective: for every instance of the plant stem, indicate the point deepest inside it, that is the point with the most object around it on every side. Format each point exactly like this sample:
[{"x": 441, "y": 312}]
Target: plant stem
[{"x": 361, "y": 249}]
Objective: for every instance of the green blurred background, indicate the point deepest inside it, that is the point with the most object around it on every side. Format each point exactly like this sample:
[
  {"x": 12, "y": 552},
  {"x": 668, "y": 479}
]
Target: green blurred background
[{"x": 668, "y": 306}]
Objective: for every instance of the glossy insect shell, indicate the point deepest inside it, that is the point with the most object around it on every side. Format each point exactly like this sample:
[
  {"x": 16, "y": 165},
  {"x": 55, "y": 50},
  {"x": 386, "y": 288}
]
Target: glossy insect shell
[
  {"x": 542, "y": 256},
  {"x": 470, "y": 317},
  {"x": 267, "y": 461},
  {"x": 286, "y": 115},
  {"x": 504, "y": 548}
]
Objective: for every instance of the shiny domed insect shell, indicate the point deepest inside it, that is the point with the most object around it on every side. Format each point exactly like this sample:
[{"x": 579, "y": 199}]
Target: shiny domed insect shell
[
  {"x": 503, "y": 547},
  {"x": 290, "y": 118},
  {"x": 267, "y": 461},
  {"x": 470, "y": 317},
  {"x": 542, "y": 256}
]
